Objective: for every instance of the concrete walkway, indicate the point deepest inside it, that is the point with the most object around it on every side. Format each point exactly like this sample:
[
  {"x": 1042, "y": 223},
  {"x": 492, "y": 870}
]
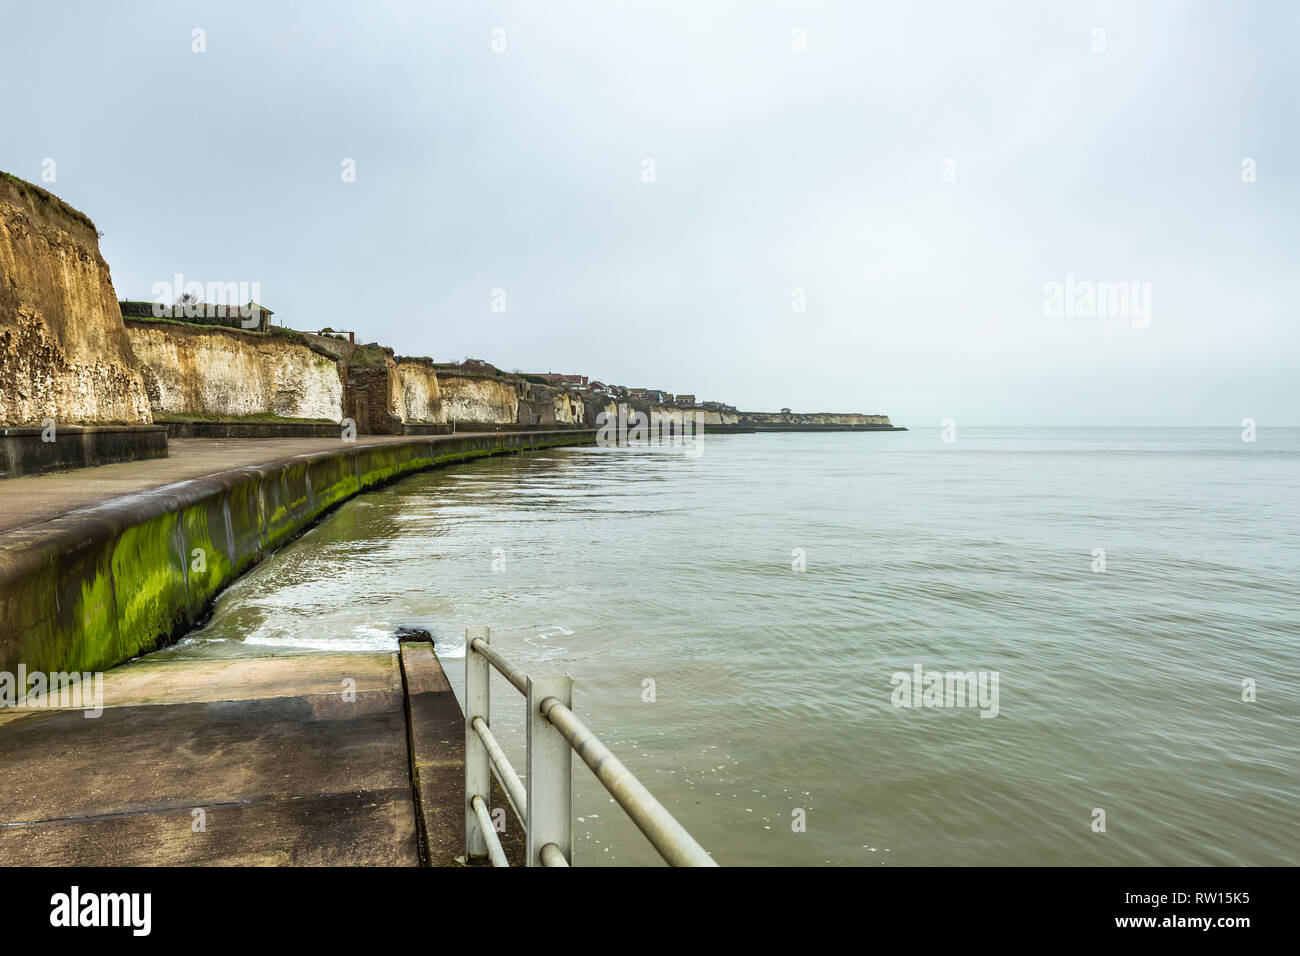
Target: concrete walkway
[
  {"x": 301, "y": 760},
  {"x": 34, "y": 499},
  {"x": 251, "y": 761}
]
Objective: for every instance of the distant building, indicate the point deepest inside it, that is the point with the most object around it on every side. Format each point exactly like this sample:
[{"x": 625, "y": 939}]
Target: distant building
[
  {"x": 349, "y": 337},
  {"x": 262, "y": 315},
  {"x": 476, "y": 365},
  {"x": 556, "y": 378},
  {"x": 254, "y": 317},
  {"x": 686, "y": 400}
]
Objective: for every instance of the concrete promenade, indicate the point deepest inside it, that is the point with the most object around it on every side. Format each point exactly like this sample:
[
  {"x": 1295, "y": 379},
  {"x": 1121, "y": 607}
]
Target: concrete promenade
[
  {"x": 253, "y": 761},
  {"x": 300, "y": 760},
  {"x": 34, "y": 499}
]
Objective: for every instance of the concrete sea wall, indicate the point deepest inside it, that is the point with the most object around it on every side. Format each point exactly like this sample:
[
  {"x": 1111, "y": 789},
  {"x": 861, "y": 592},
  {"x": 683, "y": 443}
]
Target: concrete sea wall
[
  {"x": 92, "y": 589},
  {"x": 26, "y": 450}
]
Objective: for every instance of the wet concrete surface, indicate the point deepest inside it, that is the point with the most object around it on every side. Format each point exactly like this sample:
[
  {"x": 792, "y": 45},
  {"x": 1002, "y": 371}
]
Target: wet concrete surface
[{"x": 298, "y": 760}]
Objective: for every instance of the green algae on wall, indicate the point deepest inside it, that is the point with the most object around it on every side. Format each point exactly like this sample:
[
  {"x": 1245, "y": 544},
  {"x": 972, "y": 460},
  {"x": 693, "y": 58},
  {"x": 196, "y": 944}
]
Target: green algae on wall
[
  {"x": 392, "y": 461},
  {"x": 208, "y": 559},
  {"x": 148, "y": 569},
  {"x": 97, "y": 614}
]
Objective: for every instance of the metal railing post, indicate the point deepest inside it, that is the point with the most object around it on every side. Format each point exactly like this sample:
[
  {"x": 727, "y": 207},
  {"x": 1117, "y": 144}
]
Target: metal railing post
[
  {"x": 478, "y": 773},
  {"x": 550, "y": 780}
]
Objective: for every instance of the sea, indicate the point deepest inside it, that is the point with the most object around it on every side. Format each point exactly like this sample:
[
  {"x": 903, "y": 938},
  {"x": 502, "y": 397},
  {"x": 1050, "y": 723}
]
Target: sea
[{"x": 992, "y": 646}]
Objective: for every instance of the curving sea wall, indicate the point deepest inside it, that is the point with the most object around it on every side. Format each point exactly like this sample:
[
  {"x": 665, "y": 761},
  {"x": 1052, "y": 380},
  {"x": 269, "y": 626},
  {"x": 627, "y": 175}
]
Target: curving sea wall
[
  {"x": 91, "y": 589},
  {"x": 64, "y": 354},
  {"x": 198, "y": 371}
]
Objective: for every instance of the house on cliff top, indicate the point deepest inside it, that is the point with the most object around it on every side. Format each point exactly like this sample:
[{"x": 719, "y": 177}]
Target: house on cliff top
[{"x": 259, "y": 312}]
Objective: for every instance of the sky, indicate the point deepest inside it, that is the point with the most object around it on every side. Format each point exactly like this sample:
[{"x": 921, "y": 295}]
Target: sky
[{"x": 838, "y": 206}]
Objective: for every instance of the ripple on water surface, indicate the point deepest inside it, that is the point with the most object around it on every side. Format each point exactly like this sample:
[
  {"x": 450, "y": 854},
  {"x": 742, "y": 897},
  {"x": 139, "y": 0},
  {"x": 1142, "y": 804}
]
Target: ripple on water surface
[{"x": 772, "y": 688}]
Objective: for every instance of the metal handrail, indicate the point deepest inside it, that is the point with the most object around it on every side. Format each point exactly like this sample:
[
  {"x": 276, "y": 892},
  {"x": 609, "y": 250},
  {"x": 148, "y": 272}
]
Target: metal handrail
[
  {"x": 495, "y": 853},
  {"x": 506, "y": 773},
  {"x": 554, "y": 733},
  {"x": 660, "y": 827},
  {"x": 552, "y": 855},
  {"x": 508, "y": 670}
]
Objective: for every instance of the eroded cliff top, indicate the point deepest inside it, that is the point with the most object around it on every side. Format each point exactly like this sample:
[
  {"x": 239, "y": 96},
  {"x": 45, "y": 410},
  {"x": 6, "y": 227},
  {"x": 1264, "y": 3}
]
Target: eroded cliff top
[{"x": 24, "y": 193}]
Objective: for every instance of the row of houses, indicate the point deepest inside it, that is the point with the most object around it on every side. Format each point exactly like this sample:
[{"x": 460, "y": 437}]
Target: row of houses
[{"x": 615, "y": 393}]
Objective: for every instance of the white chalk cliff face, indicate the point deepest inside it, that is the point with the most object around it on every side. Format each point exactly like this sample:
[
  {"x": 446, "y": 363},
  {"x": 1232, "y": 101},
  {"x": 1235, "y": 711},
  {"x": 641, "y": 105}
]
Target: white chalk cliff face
[
  {"x": 815, "y": 418},
  {"x": 420, "y": 395},
  {"x": 64, "y": 354},
  {"x": 206, "y": 371},
  {"x": 568, "y": 408},
  {"x": 693, "y": 415},
  {"x": 468, "y": 398}
]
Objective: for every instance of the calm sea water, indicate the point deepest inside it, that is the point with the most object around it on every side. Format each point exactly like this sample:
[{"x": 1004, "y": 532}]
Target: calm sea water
[{"x": 1118, "y": 690}]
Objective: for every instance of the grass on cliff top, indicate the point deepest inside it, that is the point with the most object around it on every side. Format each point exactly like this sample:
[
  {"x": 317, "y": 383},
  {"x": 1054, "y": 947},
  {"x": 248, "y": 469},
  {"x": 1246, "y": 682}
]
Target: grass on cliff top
[
  {"x": 274, "y": 332},
  {"x": 454, "y": 372},
  {"x": 37, "y": 194},
  {"x": 477, "y": 369},
  {"x": 370, "y": 355}
]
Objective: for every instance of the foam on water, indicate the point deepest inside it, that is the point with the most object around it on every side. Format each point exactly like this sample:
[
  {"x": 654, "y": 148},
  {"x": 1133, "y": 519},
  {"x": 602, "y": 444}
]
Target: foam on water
[{"x": 362, "y": 639}]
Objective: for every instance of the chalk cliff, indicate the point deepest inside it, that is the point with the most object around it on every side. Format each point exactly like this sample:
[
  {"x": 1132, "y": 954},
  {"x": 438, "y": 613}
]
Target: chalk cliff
[
  {"x": 205, "y": 371},
  {"x": 64, "y": 353},
  {"x": 708, "y": 416},
  {"x": 67, "y": 354},
  {"x": 811, "y": 418},
  {"x": 420, "y": 398},
  {"x": 568, "y": 408},
  {"x": 475, "y": 398}
]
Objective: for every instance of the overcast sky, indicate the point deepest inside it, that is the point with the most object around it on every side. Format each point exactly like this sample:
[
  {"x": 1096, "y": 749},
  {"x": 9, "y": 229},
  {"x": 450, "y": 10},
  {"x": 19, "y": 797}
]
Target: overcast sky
[{"x": 921, "y": 171}]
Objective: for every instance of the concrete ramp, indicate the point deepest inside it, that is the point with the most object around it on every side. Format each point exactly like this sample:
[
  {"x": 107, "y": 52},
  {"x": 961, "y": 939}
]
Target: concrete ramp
[{"x": 297, "y": 760}]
